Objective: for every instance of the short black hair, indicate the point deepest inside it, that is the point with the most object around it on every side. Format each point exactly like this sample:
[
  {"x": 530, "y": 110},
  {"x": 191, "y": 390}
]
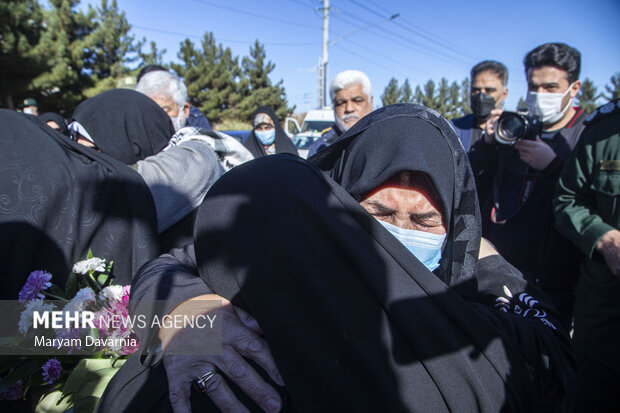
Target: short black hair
[
  {"x": 149, "y": 68},
  {"x": 559, "y": 55},
  {"x": 491, "y": 65}
]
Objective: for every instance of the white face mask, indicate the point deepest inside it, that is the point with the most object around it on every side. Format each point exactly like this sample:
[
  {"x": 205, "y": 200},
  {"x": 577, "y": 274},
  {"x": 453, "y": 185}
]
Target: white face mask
[
  {"x": 548, "y": 106},
  {"x": 425, "y": 246},
  {"x": 179, "y": 121}
]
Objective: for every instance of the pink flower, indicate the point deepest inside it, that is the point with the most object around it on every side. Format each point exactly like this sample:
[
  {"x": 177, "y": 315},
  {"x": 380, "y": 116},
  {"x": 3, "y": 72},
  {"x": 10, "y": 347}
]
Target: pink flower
[{"x": 126, "y": 292}]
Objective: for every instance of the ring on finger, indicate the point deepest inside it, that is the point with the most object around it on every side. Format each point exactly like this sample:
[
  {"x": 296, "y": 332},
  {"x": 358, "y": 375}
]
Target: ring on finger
[{"x": 200, "y": 382}]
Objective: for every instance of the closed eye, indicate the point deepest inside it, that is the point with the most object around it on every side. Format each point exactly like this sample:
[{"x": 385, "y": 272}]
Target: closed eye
[{"x": 377, "y": 209}]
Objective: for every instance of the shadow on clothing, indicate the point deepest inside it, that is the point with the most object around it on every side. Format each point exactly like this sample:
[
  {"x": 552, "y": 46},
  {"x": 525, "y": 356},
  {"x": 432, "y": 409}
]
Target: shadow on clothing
[{"x": 354, "y": 322}]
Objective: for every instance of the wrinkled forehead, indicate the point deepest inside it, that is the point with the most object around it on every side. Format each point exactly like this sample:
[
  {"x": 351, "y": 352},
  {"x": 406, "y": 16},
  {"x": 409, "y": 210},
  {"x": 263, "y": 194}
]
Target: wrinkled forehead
[
  {"x": 419, "y": 181},
  {"x": 397, "y": 144}
]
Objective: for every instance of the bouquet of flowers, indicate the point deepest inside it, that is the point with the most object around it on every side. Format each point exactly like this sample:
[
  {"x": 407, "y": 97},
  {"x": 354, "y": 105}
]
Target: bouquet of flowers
[{"x": 82, "y": 352}]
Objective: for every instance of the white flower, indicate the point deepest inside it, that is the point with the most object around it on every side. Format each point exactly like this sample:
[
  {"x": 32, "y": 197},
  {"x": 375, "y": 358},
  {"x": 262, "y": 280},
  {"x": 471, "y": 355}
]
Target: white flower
[
  {"x": 113, "y": 292},
  {"x": 91, "y": 264},
  {"x": 80, "y": 301},
  {"x": 25, "y": 319}
]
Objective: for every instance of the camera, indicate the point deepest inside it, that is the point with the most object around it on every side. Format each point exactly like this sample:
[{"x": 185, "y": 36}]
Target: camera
[{"x": 514, "y": 126}]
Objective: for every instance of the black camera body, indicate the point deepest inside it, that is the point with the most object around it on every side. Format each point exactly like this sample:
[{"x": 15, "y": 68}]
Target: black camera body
[{"x": 515, "y": 126}]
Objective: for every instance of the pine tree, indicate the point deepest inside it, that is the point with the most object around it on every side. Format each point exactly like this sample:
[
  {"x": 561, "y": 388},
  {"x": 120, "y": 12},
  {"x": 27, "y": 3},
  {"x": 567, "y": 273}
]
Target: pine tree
[
  {"x": 256, "y": 87},
  {"x": 192, "y": 60},
  {"x": 453, "y": 104},
  {"x": 429, "y": 96},
  {"x": 154, "y": 57},
  {"x": 614, "y": 88},
  {"x": 465, "y": 97},
  {"x": 210, "y": 76},
  {"x": 21, "y": 22},
  {"x": 63, "y": 51},
  {"x": 521, "y": 104},
  {"x": 418, "y": 96},
  {"x": 443, "y": 93},
  {"x": 112, "y": 48},
  {"x": 588, "y": 96},
  {"x": 406, "y": 94},
  {"x": 391, "y": 93}
]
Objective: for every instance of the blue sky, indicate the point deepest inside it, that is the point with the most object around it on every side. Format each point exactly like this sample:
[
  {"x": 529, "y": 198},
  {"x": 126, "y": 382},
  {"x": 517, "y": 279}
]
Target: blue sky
[{"x": 428, "y": 40}]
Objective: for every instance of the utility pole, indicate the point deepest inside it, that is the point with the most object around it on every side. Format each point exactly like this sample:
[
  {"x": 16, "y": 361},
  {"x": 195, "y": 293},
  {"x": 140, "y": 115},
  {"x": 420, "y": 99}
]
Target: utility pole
[{"x": 323, "y": 65}]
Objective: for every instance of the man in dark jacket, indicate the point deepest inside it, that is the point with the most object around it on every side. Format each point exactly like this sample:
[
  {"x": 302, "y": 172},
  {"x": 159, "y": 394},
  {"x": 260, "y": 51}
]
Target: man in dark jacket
[
  {"x": 488, "y": 91},
  {"x": 588, "y": 212},
  {"x": 521, "y": 177},
  {"x": 351, "y": 96}
]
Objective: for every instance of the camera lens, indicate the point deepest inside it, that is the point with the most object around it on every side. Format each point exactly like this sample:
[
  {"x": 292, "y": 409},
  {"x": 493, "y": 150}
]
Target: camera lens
[{"x": 510, "y": 128}]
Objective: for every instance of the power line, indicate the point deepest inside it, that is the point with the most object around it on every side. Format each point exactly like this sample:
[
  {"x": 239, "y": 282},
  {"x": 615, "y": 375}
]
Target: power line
[
  {"x": 339, "y": 39},
  {"x": 422, "y": 33},
  {"x": 303, "y": 4},
  {"x": 391, "y": 70},
  {"x": 247, "y": 13},
  {"x": 410, "y": 44},
  {"x": 407, "y": 65},
  {"x": 219, "y": 39},
  {"x": 378, "y": 6}
]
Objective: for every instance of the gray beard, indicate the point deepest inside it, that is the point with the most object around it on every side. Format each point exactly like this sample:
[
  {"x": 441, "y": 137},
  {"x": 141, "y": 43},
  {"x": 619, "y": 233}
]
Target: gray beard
[
  {"x": 179, "y": 121},
  {"x": 341, "y": 123}
]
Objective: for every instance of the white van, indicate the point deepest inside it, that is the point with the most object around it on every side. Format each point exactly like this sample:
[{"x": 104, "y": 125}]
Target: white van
[{"x": 315, "y": 123}]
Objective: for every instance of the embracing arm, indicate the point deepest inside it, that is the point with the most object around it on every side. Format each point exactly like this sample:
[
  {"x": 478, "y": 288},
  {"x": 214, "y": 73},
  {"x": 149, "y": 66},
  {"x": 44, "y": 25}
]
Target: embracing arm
[
  {"x": 179, "y": 178},
  {"x": 172, "y": 280}
]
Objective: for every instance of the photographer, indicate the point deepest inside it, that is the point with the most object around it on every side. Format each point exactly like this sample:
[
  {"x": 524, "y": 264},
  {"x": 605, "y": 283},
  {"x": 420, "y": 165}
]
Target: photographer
[{"x": 521, "y": 176}]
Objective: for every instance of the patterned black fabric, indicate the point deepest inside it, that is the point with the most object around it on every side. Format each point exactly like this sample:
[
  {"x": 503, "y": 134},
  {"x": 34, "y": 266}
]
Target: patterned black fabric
[{"x": 59, "y": 198}]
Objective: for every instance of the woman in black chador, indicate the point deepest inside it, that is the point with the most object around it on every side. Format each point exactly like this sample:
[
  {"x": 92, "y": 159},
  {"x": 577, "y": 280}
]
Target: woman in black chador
[
  {"x": 267, "y": 136},
  {"x": 58, "y": 199},
  {"x": 366, "y": 281}
]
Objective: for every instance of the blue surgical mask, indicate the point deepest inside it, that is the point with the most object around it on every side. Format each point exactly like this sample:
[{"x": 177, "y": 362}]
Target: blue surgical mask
[
  {"x": 425, "y": 246},
  {"x": 266, "y": 137}
]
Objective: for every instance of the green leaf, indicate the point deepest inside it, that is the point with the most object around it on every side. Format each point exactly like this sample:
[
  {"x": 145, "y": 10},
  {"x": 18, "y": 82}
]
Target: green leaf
[
  {"x": 91, "y": 283},
  {"x": 10, "y": 362},
  {"x": 90, "y": 254},
  {"x": 20, "y": 372},
  {"x": 71, "y": 286},
  {"x": 54, "y": 296},
  {"x": 102, "y": 279},
  {"x": 53, "y": 403},
  {"x": 89, "y": 379},
  {"x": 57, "y": 291}
]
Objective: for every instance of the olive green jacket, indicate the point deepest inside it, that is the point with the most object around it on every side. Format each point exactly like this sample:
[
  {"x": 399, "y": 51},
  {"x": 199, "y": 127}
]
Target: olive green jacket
[{"x": 587, "y": 197}]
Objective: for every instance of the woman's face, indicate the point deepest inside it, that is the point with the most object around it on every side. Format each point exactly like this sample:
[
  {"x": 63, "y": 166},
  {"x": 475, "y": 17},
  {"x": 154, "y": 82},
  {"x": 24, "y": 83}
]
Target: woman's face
[
  {"x": 408, "y": 200},
  {"x": 263, "y": 122}
]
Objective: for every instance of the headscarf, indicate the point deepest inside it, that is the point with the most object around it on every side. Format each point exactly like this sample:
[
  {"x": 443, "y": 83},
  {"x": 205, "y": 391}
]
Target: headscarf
[
  {"x": 408, "y": 137},
  {"x": 348, "y": 312},
  {"x": 58, "y": 119},
  {"x": 283, "y": 142},
  {"x": 125, "y": 124},
  {"x": 279, "y": 234},
  {"x": 59, "y": 199}
]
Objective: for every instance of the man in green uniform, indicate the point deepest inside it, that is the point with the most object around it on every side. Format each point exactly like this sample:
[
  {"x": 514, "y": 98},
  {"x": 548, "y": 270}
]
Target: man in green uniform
[{"x": 587, "y": 210}]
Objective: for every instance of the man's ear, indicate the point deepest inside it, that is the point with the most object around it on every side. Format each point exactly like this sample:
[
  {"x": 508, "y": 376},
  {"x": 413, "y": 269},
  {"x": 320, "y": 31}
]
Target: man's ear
[
  {"x": 504, "y": 94},
  {"x": 186, "y": 110},
  {"x": 575, "y": 88}
]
